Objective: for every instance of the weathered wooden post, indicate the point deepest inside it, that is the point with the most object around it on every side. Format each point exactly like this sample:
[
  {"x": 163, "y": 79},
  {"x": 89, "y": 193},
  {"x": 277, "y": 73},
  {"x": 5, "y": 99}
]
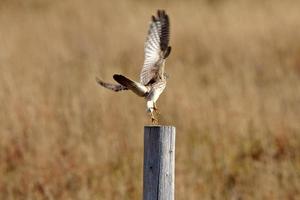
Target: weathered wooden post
[{"x": 159, "y": 162}]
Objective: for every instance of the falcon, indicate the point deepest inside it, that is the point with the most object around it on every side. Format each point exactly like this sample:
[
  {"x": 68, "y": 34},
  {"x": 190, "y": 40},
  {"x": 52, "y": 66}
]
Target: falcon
[{"x": 153, "y": 78}]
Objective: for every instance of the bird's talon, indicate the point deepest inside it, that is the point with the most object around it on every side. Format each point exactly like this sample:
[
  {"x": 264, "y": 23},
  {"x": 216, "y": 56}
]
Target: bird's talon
[
  {"x": 154, "y": 121},
  {"x": 156, "y": 109}
]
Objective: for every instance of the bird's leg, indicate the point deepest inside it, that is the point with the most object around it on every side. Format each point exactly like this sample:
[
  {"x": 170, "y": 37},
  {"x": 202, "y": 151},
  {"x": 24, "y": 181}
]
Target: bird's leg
[
  {"x": 156, "y": 109},
  {"x": 150, "y": 110},
  {"x": 153, "y": 119}
]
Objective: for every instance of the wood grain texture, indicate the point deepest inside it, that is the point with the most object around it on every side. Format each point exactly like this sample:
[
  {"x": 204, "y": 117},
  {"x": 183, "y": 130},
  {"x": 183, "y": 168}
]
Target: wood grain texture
[{"x": 159, "y": 162}]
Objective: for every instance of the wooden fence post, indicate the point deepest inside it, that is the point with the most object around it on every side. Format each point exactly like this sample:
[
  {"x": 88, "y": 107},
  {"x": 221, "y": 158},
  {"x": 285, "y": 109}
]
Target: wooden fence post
[{"x": 159, "y": 163}]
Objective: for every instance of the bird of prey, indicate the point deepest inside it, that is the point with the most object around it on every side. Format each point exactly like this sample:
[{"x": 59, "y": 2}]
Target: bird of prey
[{"x": 153, "y": 77}]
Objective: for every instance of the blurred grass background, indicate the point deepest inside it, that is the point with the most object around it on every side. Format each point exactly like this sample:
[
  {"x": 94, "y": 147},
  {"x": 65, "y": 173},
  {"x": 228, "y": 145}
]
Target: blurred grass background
[{"x": 236, "y": 109}]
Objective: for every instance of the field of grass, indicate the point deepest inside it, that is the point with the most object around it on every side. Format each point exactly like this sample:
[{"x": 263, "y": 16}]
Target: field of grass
[{"x": 236, "y": 109}]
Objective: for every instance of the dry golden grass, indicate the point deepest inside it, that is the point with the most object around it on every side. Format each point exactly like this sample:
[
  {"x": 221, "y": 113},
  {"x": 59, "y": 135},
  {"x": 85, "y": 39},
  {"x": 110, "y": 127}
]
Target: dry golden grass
[{"x": 237, "y": 109}]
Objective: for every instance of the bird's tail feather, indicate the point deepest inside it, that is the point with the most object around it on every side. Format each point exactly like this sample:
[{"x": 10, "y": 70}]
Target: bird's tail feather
[
  {"x": 114, "y": 87},
  {"x": 134, "y": 86}
]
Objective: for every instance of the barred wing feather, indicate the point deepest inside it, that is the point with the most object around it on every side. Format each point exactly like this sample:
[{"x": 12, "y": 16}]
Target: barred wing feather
[
  {"x": 114, "y": 87},
  {"x": 156, "y": 46}
]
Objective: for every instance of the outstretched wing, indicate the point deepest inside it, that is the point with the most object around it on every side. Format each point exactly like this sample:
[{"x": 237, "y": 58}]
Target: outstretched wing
[
  {"x": 114, "y": 87},
  {"x": 156, "y": 46}
]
